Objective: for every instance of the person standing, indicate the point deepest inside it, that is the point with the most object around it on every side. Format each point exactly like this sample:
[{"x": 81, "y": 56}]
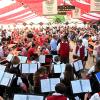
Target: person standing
[
  {"x": 86, "y": 44},
  {"x": 80, "y": 51},
  {"x": 59, "y": 93},
  {"x": 53, "y": 45},
  {"x": 63, "y": 50}
]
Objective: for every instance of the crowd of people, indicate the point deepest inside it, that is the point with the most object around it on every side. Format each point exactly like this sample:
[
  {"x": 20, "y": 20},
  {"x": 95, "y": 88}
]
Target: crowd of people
[{"x": 55, "y": 43}]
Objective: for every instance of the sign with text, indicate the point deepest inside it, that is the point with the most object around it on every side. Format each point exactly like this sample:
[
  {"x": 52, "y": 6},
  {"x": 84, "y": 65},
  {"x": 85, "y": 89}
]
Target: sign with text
[
  {"x": 49, "y": 7},
  {"x": 66, "y": 8}
]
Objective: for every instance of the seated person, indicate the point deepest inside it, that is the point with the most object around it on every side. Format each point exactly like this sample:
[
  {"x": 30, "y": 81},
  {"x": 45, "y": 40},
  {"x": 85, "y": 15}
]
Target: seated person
[
  {"x": 93, "y": 80},
  {"x": 15, "y": 64},
  {"x": 40, "y": 74},
  {"x": 59, "y": 93},
  {"x": 95, "y": 96},
  {"x": 66, "y": 79},
  {"x": 56, "y": 61}
]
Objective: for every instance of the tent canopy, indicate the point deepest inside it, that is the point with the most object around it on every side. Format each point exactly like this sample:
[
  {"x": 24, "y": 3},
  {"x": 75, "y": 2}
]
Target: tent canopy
[{"x": 16, "y": 11}]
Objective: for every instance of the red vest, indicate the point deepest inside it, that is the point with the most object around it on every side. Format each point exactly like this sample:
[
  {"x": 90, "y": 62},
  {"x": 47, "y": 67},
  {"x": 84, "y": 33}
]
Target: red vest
[
  {"x": 61, "y": 97},
  {"x": 64, "y": 49},
  {"x": 30, "y": 52},
  {"x": 82, "y": 53}
]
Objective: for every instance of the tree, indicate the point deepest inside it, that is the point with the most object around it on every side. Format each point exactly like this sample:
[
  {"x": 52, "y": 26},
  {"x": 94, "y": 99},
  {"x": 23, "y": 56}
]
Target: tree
[{"x": 58, "y": 19}]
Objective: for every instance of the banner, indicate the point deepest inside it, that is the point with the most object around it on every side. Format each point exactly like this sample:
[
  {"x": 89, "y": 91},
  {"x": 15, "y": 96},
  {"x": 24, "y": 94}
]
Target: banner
[
  {"x": 95, "y": 5},
  {"x": 49, "y": 7},
  {"x": 76, "y": 13}
]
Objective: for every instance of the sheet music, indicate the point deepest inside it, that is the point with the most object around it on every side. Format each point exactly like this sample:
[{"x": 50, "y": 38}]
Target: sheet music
[
  {"x": 22, "y": 59},
  {"x": 45, "y": 85},
  {"x": 78, "y": 65},
  {"x": 86, "y": 87},
  {"x": 2, "y": 67},
  {"x": 6, "y": 80},
  {"x": 53, "y": 82},
  {"x": 57, "y": 68},
  {"x": 20, "y": 97},
  {"x": 35, "y": 97},
  {"x": 9, "y": 57},
  {"x": 1, "y": 75},
  {"x": 33, "y": 68},
  {"x": 76, "y": 87},
  {"x": 25, "y": 68},
  {"x": 63, "y": 66},
  {"x": 42, "y": 58},
  {"x": 8, "y": 75},
  {"x": 98, "y": 76}
]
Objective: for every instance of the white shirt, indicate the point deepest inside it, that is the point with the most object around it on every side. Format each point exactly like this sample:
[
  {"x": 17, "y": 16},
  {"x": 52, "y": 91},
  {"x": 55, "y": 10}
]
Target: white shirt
[
  {"x": 85, "y": 43},
  {"x": 58, "y": 47},
  {"x": 8, "y": 34},
  {"x": 19, "y": 81},
  {"x": 95, "y": 97},
  {"x": 53, "y": 44},
  {"x": 78, "y": 52},
  {"x": 1, "y": 52},
  {"x": 62, "y": 76},
  {"x": 92, "y": 69},
  {"x": 15, "y": 65}
]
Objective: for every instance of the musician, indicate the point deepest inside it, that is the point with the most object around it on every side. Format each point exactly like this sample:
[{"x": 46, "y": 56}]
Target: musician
[{"x": 59, "y": 93}]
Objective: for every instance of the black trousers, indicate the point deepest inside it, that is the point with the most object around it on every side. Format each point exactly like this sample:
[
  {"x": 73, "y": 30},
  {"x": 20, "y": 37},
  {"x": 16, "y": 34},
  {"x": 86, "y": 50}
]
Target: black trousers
[
  {"x": 64, "y": 59},
  {"x": 54, "y": 52}
]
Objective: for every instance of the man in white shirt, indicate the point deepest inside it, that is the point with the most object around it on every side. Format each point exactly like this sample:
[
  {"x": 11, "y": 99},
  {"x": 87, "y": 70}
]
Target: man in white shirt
[
  {"x": 53, "y": 45},
  {"x": 85, "y": 43}
]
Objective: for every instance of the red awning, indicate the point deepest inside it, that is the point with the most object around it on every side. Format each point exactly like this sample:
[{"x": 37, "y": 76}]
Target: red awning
[
  {"x": 9, "y": 8},
  {"x": 18, "y": 11},
  {"x": 14, "y": 14},
  {"x": 90, "y": 17},
  {"x": 84, "y": 6}
]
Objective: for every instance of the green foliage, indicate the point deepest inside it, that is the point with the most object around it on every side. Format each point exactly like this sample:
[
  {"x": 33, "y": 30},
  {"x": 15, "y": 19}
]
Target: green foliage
[{"x": 58, "y": 19}]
